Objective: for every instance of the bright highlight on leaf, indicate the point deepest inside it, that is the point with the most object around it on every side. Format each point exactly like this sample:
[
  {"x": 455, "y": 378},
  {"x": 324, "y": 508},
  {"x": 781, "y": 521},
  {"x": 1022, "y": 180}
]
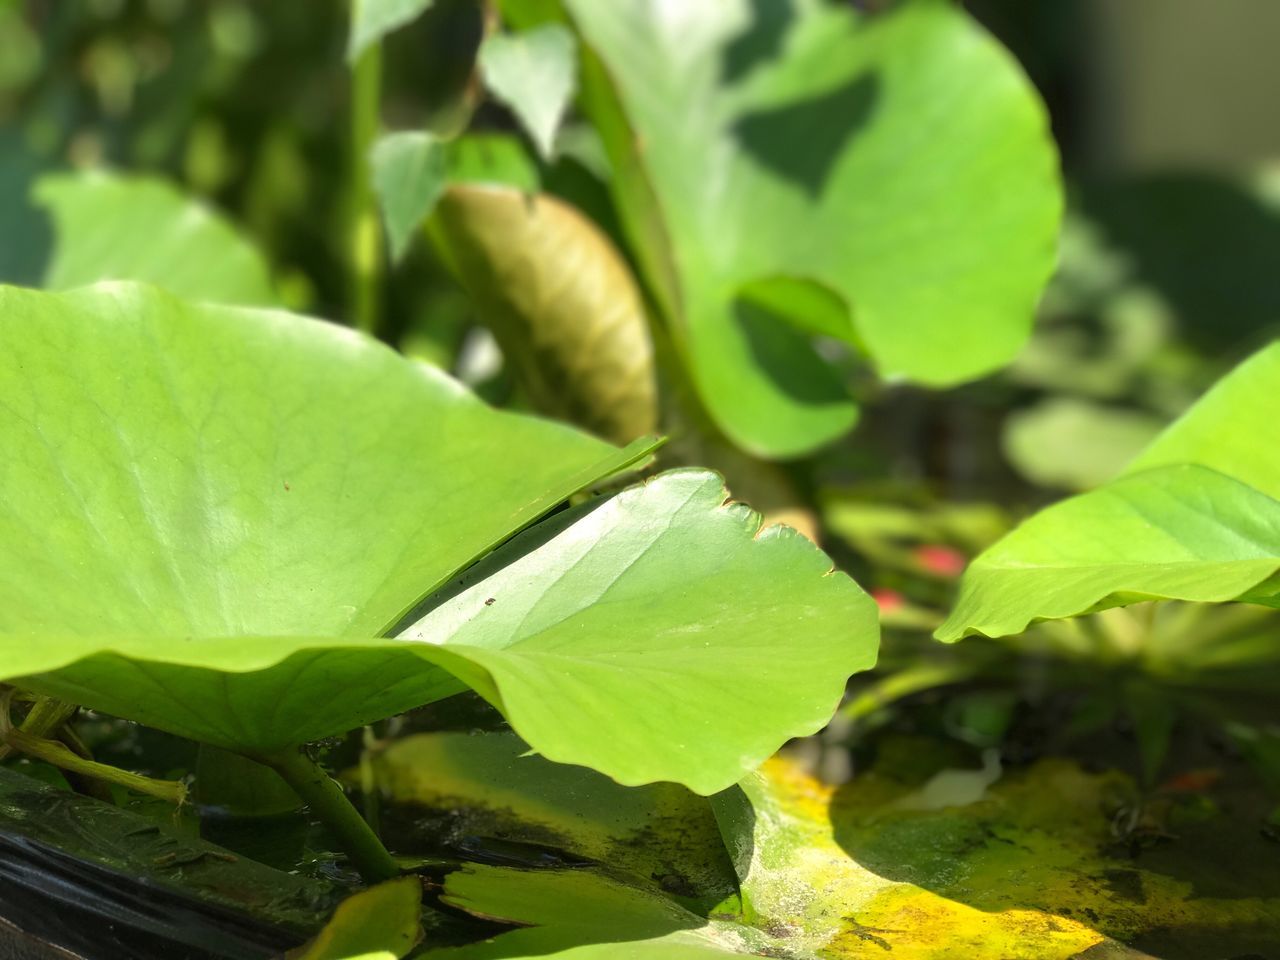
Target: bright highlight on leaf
[
  {"x": 212, "y": 517},
  {"x": 902, "y": 160},
  {"x": 409, "y": 174},
  {"x": 1195, "y": 517},
  {"x": 535, "y": 74},
  {"x": 371, "y": 20},
  {"x": 115, "y": 227}
]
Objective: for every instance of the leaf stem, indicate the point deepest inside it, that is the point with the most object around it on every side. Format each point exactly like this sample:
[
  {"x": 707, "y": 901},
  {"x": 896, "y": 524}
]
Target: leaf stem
[
  {"x": 61, "y": 756},
  {"x": 45, "y": 716},
  {"x": 328, "y": 802},
  {"x": 365, "y": 253}
]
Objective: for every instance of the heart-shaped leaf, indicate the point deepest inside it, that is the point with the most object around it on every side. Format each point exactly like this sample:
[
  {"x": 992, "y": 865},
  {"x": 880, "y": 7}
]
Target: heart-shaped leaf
[
  {"x": 113, "y": 227},
  {"x": 409, "y": 174},
  {"x": 212, "y": 517},
  {"x": 535, "y": 74},
  {"x": 900, "y": 159},
  {"x": 1194, "y": 517}
]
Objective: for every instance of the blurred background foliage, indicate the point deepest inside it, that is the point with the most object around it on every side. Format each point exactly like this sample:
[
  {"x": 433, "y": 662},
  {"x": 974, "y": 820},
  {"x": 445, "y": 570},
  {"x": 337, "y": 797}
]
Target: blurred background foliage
[{"x": 1163, "y": 110}]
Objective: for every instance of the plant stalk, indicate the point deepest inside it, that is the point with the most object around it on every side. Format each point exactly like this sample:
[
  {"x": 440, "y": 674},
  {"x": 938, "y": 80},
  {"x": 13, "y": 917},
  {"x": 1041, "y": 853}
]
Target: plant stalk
[
  {"x": 365, "y": 237},
  {"x": 328, "y": 802},
  {"x": 45, "y": 716},
  {"x": 60, "y": 755}
]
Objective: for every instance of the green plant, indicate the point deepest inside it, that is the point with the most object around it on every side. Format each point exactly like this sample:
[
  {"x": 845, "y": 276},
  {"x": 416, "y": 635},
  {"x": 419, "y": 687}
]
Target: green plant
[
  {"x": 1194, "y": 517},
  {"x": 916, "y": 229},
  {"x": 247, "y": 528}
]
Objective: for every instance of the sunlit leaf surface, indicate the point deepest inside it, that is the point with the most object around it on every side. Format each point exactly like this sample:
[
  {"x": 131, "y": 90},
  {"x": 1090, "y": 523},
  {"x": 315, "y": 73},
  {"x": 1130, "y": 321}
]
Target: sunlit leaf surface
[
  {"x": 1194, "y": 517},
  {"x": 212, "y": 517}
]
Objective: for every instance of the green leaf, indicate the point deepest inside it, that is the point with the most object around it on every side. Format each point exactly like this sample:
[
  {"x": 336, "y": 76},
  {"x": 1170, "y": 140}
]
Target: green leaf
[
  {"x": 381, "y": 923},
  {"x": 1226, "y": 427},
  {"x": 371, "y": 20},
  {"x": 179, "y": 473},
  {"x": 561, "y": 301},
  {"x": 409, "y": 174},
  {"x": 116, "y": 227},
  {"x": 632, "y": 642},
  {"x": 212, "y": 516},
  {"x": 535, "y": 74},
  {"x": 902, "y": 160},
  {"x": 1195, "y": 517}
]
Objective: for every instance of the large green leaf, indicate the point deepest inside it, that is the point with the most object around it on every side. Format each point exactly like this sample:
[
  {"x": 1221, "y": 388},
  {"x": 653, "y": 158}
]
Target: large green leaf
[
  {"x": 211, "y": 518},
  {"x": 1193, "y": 518},
  {"x": 633, "y": 642},
  {"x": 114, "y": 227},
  {"x": 901, "y": 160},
  {"x": 561, "y": 301}
]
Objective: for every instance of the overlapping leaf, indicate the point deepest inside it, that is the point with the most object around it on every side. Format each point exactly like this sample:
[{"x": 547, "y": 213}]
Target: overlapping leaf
[
  {"x": 900, "y": 160},
  {"x": 211, "y": 518},
  {"x": 1194, "y": 517}
]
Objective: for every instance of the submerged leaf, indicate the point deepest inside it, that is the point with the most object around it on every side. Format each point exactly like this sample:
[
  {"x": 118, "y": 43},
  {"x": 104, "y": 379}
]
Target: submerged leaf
[
  {"x": 1027, "y": 869},
  {"x": 561, "y": 302},
  {"x": 535, "y": 74},
  {"x": 210, "y": 518},
  {"x": 587, "y": 917},
  {"x": 1030, "y": 870},
  {"x": 409, "y": 174},
  {"x": 114, "y": 227},
  {"x": 492, "y": 789},
  {"x": 1195, "y": 517},
  {"x": 902, "y": 160}
]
